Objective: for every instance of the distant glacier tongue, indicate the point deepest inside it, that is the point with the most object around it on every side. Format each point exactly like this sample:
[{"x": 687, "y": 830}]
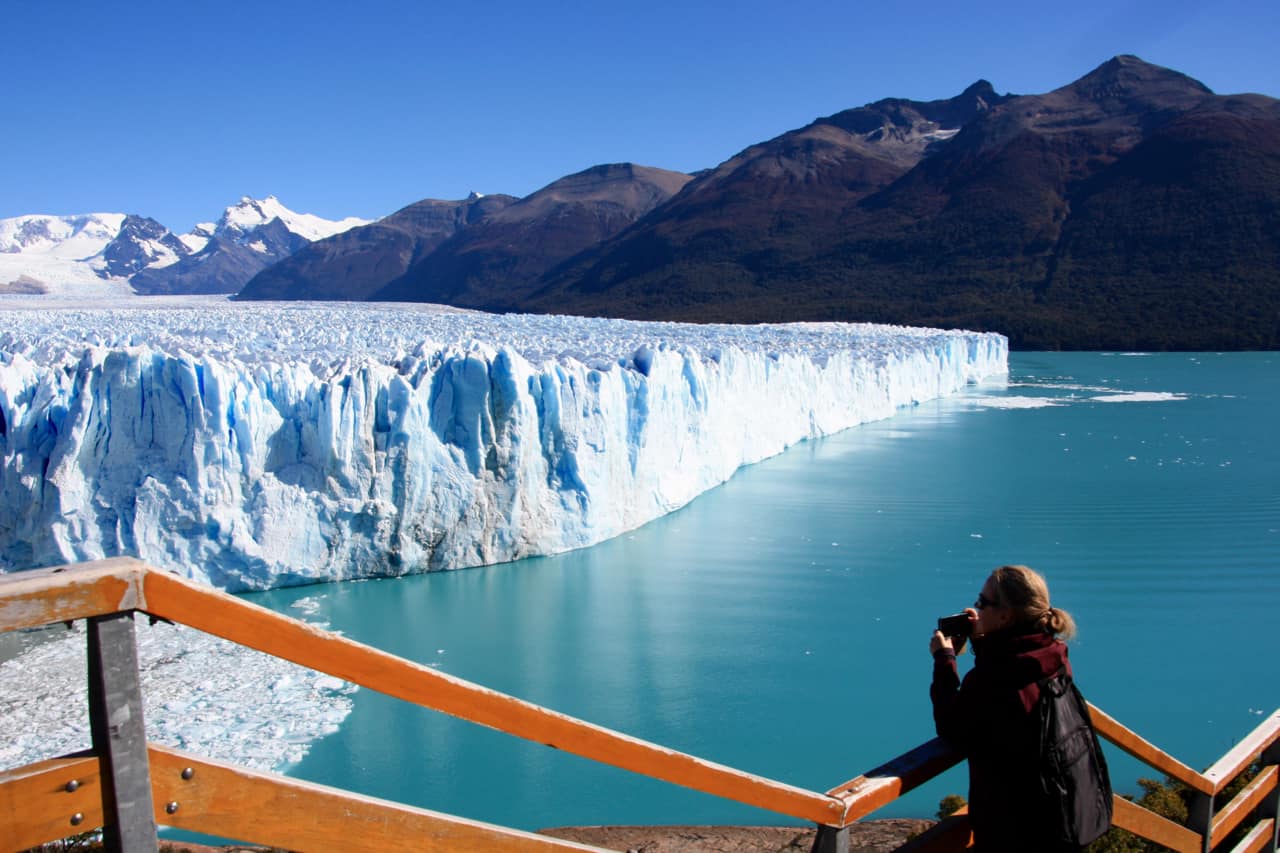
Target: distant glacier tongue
[{"x": 257, "y": 446}]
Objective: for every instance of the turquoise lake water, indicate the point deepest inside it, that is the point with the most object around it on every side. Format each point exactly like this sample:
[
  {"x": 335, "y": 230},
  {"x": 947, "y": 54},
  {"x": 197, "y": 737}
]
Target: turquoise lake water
[{"x": 780, "y": 623}]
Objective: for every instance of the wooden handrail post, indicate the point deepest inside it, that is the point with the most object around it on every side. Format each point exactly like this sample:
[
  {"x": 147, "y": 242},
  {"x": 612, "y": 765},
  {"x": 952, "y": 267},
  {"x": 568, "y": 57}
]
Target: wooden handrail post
[
  {"x": 119, "y": 737},
  {"x": 1271, "y": 808},
  {"x": 1200, "y": 817},
  {"x": 831, "y": 839}
]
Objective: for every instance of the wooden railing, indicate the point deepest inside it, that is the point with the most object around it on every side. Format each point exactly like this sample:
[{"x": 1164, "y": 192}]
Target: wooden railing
[{"x": 128, "y": 786}]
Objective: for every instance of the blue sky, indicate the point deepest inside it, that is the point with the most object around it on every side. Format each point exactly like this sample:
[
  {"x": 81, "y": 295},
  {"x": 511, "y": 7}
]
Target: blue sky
[{"x": 349, "y": 108}]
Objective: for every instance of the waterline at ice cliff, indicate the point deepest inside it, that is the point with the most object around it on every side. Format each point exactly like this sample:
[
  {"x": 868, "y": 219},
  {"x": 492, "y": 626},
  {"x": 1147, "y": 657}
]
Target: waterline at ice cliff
[{"x": 267, "y": 445}]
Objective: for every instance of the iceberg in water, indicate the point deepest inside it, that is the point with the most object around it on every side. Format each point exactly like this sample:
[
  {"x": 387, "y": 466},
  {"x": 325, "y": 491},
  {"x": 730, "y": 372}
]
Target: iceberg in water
[{"x": 263, "y": 445}]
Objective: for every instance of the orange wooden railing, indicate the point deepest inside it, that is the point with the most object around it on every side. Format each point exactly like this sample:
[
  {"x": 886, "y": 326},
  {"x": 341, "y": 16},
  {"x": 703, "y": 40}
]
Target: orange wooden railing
[{"x": 129, "y": 786}]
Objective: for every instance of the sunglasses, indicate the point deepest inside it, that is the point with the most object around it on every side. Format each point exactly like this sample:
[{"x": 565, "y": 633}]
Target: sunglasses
[{"x": 983, "y": 602}]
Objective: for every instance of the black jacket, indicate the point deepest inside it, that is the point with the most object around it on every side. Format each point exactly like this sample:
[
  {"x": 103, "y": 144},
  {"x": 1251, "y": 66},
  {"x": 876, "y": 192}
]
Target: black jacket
[{"x": 990, "y": 718}]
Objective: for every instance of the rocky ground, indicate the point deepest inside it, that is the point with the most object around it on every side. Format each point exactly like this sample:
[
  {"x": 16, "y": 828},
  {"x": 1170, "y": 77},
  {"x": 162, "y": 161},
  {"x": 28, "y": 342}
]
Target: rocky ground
[{"x": 871, "y": 836}]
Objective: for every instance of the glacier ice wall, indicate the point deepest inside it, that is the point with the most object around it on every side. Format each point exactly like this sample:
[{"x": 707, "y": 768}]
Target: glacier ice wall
[{"x": 260, "y": 446}]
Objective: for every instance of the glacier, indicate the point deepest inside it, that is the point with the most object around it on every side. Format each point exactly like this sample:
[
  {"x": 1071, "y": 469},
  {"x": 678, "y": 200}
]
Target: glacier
[{"x": 260, "y": 445}]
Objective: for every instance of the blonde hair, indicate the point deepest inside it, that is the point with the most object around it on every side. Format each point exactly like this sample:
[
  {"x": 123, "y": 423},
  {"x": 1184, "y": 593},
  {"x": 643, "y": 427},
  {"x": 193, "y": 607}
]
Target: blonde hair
[{"x": 1025, "y": 592}]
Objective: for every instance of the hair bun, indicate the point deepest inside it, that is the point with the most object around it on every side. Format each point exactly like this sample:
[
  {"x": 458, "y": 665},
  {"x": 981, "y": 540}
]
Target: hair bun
[{"x": 1059, "y": 622}]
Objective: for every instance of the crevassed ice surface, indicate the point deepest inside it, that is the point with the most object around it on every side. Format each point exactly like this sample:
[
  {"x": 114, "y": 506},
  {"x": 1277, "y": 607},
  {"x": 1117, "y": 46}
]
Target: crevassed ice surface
[{"x": 255, "y": 446}]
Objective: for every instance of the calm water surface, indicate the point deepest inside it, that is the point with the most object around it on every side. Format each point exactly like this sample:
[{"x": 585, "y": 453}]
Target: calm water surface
[{"x": 780, "y": 623}]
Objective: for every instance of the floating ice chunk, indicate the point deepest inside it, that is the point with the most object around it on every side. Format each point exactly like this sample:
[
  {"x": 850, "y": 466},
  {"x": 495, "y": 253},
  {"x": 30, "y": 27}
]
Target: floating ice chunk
[
  {"x": 1138, "y": 397},
  {"x": 1014, "y": 402},
  {"x": 309, "y": 605}
]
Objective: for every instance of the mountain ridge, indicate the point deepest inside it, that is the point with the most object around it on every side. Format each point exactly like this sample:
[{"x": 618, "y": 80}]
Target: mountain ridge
[
  {"x": 361, "y": 261},
  {"x": 989, "y": 229},
  {"x": 521, "y": 242}
]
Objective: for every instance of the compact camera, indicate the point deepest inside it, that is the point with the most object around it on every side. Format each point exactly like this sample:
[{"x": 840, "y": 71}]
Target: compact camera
[{"x": 958, "y": 627}]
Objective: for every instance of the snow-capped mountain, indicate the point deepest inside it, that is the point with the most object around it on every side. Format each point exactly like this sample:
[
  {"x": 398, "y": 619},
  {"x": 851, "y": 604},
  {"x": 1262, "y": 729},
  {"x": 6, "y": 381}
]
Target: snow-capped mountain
[
  {"x": 250, "y": 213},
  {"x": 251, "y": 236},
  {"x": 54, "y": 254},
  {"x": 198, "y": 237},
  {"x": 114, "y": 253},
  {"x": 62, "y": 236},
  {"x": 141, "y": 243}
]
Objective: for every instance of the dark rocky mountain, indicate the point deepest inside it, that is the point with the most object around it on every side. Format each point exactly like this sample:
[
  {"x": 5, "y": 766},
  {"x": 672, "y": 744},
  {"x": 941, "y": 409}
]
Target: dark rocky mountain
[
  {"x": 772, "y": 204},
  {"x": 358, "y": 263},
  {"x": 1130, "y": 209},
  {"x": 500, "y": 258},
  {"x": 141, "y": 242},
  {"x": 1133, "y": 208},
  {"x": 1177, "y": 244}
]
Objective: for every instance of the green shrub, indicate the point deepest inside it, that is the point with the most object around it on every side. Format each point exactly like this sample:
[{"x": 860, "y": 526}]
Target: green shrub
[
  {"x": 1173, "y": 800},
  {"x": 949, "y": 805}
]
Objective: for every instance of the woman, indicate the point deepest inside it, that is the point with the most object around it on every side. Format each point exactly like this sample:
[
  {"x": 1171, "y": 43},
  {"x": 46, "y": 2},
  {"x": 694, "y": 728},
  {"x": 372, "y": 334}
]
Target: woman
[{"x": 990, "y": 716}]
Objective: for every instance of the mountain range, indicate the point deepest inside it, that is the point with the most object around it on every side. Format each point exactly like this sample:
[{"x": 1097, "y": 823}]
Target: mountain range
[
  {"x": 1133, "y": 208},
  {"x": 94, "y": 254},
  {"x": 1130, "y": 209},
  {"x": 459, "y": 252}
]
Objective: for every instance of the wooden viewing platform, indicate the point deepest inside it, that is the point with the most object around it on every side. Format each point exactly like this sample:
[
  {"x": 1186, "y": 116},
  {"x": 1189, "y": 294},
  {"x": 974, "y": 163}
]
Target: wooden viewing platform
[{"x": 128, "y": 786}]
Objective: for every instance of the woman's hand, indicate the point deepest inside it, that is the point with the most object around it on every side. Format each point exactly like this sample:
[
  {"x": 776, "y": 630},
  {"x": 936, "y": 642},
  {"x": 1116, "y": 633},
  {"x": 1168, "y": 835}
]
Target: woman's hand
[{"x": 940, "y": 642}]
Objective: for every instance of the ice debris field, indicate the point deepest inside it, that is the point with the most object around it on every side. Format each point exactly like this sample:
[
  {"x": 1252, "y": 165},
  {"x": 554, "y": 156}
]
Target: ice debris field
[
  {"x": 200, "y": 693},
  {"x": 258, "y": 445}
]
